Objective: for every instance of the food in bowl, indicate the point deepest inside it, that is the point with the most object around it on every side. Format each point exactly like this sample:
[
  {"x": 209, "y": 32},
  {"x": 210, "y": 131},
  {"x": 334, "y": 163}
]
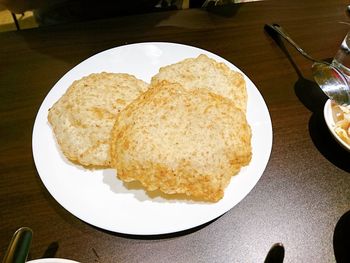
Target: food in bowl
[{"x": 341, "y": 116}]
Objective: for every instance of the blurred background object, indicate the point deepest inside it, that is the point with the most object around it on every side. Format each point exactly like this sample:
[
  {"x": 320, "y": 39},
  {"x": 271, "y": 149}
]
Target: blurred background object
[
  {"x": 7, "y": 22},
  {"x": 23, "y": 14}
]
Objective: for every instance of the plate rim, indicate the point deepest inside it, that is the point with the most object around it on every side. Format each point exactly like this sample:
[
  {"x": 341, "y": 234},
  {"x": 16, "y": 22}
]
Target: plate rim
[{"x": 52, "y": 260}]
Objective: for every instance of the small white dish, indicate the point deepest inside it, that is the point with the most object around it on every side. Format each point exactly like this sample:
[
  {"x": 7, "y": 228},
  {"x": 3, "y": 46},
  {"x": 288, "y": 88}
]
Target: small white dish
[
  {"x": 329, "y": 118},
  {"x": 52, "y": 260}
]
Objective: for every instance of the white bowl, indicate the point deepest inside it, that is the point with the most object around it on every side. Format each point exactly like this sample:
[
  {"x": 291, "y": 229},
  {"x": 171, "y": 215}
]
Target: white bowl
[
  {"x": 328, "y": 116},
  {"x": 52, "y": 260}
]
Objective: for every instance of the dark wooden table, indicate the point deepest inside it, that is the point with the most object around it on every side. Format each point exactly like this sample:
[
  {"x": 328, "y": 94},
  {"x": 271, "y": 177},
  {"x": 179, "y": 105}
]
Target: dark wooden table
[{"x": 301, "y": 200}]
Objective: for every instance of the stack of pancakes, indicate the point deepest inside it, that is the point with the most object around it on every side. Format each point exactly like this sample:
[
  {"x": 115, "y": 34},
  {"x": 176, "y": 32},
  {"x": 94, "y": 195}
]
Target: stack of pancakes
[{"x": 184, "y": 133}]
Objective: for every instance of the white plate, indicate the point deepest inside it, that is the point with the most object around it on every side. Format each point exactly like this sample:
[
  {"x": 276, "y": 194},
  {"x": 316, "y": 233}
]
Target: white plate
[
  {"x": 98, "y": 197},
  {"x": 52, "y": 260},
  {"x": 328, "y": 116}
]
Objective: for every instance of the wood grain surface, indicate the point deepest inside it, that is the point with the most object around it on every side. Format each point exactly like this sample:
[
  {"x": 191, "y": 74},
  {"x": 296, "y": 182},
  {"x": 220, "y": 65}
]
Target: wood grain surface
[{"x": 303, "y": 197}]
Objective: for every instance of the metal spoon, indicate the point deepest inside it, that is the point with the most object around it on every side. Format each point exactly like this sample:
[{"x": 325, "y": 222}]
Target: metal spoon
[
  {"x": 330, "y": 79},
  {"x": 18, "y": 249}
]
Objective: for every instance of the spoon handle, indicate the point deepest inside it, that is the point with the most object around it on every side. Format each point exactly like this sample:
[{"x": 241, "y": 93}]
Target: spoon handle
[
  {"x": 17, "y": 251},
  {"x": 275, "y": 254},
  {"x": 278, "y": 29}
]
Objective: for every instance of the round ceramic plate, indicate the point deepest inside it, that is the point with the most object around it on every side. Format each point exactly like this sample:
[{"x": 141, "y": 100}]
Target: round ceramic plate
[
  {"x": 328, "y": 116},
  {"x": 52, "y": 260},
  {"x": 97, "y": 196}
]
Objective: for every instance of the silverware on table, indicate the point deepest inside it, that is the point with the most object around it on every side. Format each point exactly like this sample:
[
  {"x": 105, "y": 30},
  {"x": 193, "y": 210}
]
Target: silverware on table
[
  {"x": 330, "y": 79},
  {"x": 275, "y": 254},
  {"x": 18, "y": 249}
]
